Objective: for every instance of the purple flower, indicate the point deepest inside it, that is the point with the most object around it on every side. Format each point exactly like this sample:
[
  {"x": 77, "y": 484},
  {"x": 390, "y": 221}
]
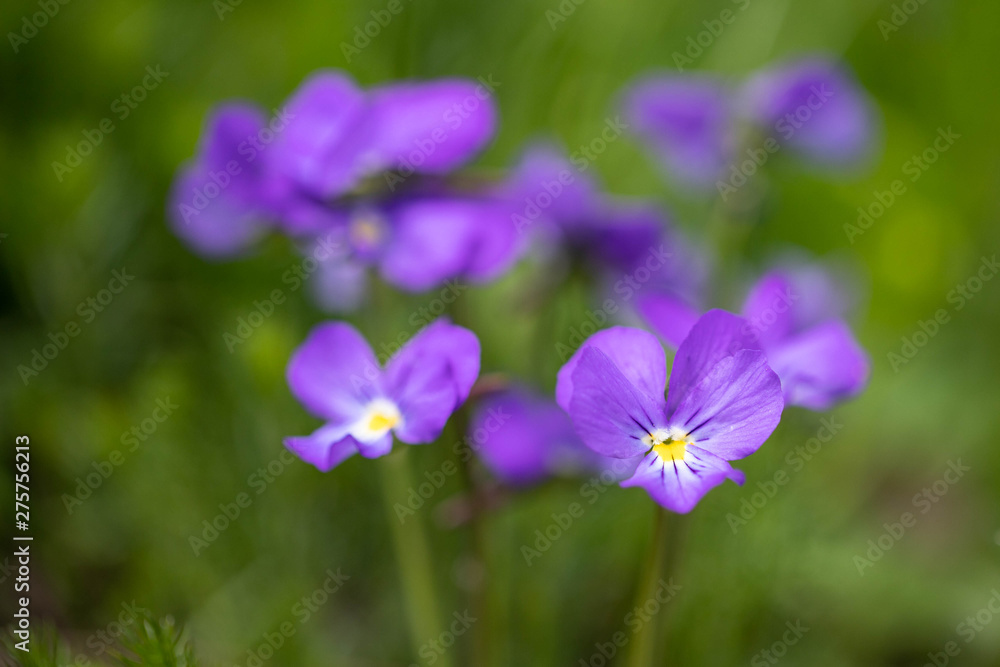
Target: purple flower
[
  {"x": 692, "y": 123},
  {"x": 795, "y": 316},
  {"x": 813, "y": 352},
  {"x": 816, "y": 107},
  {"x": 416, "y": 242},
  {"x": 687, "y": 121},
  {"x": 251, "y": 174},
  {"x": 335, "y": 374},
  {"x": 523, "y": 438},
  {"x": 218, "y": 208},
  {"x": 557, "y": 202},
  {"x": 722, "y": 403},
  {"x": 341, "y": 134}
]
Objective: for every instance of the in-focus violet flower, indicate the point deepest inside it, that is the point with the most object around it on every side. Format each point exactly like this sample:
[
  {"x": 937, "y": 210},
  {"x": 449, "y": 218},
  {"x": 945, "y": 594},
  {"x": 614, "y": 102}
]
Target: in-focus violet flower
[
  {"x": 337, "y": 377},
  {"x": 629, "y": 241},
  {"x": 693, "y": 123},
  {"x": 523, "y": 438},
  {"x": 722, "y": 403},
  {"x": 795, "y": 316}
]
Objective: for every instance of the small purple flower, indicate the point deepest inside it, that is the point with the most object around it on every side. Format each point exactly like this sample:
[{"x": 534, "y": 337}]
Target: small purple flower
[
  {"x": 795, "y": 316},
  {"x": 336, "y": 375},
  {"x": 687, "y": 121},
  {"x": 722, "y": 403},
  {"x": 816, "y": 107},
  {"x": 693, "y": 123},
  {"x": 523, "y": 438},
  {"x": 340, "y": 134},
  {"x": 251, "y": 174},
  {"x": 416, "y": 242},
  {"x": 554, "y": 200}
]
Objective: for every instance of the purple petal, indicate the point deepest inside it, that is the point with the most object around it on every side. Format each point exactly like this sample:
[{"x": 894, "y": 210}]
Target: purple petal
[
  {"x": 323, "y": 134},
  {"x": 221, "y": 226},
  {"x": 770, "y": 307},
  {"x": 636, "y": 354},
  {"x": 326, "y": 448},
  {"x": 687, "y": 121},
  {"x": 373, "y": 449},
  {"x": 820, "y": 366},
  {"x": 716, "y": 335},
  {"x": 431, "y": 127},
  {"x": 334, "y": 373},
  {"x": 816, "y": 106},
  {"x": 624, "y": 237},
  {"x": 523, "y": 438},
  {"x": 669, "y": 316},
  {"x": 430, "y": 377},
  {"x": 434, "y": 239},
  {"x": 610, "y": 414},
  {"x": 679, "y": 485},
  {"x": 546, "y": 186},
  {"x": 734, "y": 408},
  {"x": 340, "y": 286}
]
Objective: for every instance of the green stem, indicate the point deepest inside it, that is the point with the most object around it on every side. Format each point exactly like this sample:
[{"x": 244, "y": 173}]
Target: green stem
[
  {"x": 412, "y": 555},
  {"x": 644, "y": 644}
]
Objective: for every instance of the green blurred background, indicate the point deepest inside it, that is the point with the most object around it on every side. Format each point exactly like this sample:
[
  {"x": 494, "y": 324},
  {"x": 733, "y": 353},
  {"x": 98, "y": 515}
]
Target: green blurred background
[{"x": 162, "y": 338}]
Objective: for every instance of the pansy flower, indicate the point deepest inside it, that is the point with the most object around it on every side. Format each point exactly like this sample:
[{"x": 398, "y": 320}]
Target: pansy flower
[
  {"x": 795, "y": 314},
  {"x": 328, "y": 138},
  {"x": 721, "y": 404},
  {"x": 524, "y": 438},
  {"x": 337, "y": 377},
  {"x": 620, "y": 238},
  {"x": 694, "y": 123}
]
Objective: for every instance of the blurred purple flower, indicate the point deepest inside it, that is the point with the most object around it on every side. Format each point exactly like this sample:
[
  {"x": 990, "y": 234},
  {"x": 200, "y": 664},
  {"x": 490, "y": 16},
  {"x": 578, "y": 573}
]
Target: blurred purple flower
[
  {"x": 329, "y": 136},
  {"x": 722, "y": 403},
  {"x": 795, "y": 315},
  {"x": 554, "y": 200},
  {"x": 687, "y": 121},
  {"x": 814, "y": 106},
  {"x": 337, "y": 377},
  {"x": 529, "y": 438}
]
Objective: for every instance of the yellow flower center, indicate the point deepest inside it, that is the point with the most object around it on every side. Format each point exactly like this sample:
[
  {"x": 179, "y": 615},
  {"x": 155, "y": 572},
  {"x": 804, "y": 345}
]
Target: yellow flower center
[
  {"x": 382, "y": 422},
  {"x": 668, "y": 445},
  {"x": 367, "y": 230}
]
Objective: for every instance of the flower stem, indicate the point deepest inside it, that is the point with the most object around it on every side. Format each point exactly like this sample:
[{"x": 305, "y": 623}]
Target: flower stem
[
  {"x": 643, "y": 651},
  {"x": 412, "y": 556}
]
